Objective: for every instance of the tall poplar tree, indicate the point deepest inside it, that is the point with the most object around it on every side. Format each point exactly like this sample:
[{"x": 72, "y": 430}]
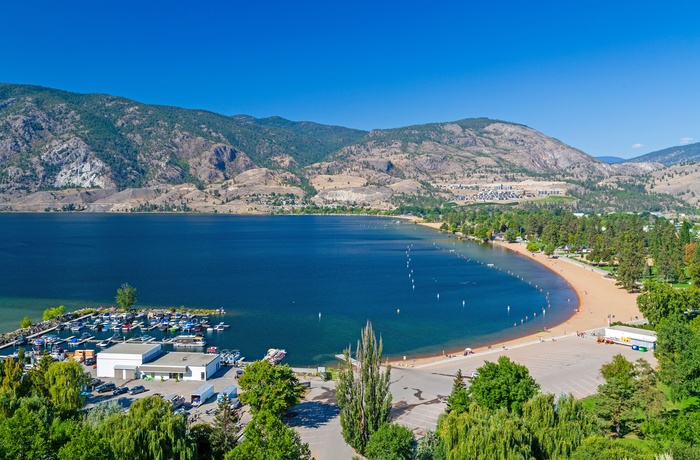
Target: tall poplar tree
[{"x": 363, "y": 391}]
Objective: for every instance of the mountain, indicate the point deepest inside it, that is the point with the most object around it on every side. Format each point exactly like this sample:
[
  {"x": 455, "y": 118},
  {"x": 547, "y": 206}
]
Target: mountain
[
  {"x": 52, "y": 138},
  {"x": 62, "y": 150},
  {"x": 672, "y": 156},
  {"x": 611, "y": 160}
]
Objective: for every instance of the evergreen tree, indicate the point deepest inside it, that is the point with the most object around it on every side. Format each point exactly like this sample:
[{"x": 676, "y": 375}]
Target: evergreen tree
[
  {"x": 631, "y": 261},
  {"x": 225, "y": 428},
  {"x": 458, "y": 401},
  {"x": 363, "y": 393}
]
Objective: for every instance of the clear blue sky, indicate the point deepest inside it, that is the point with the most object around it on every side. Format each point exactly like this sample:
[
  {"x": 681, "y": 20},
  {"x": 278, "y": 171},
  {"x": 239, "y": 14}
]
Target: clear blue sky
[{"x": 600, "y": 76}]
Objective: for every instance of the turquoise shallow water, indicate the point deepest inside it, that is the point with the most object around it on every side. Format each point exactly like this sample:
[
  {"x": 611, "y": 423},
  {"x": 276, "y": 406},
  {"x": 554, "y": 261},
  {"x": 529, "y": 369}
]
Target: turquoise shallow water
[{"x": 304, "y": 283}]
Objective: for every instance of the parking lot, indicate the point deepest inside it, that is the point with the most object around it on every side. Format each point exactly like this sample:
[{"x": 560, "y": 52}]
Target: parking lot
[{"x": 568, "y": 365}]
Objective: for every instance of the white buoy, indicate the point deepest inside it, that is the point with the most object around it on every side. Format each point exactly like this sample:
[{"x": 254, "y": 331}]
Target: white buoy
[
  {"x": 438, "y": 296},
  {"x": 463, "y": 302}
]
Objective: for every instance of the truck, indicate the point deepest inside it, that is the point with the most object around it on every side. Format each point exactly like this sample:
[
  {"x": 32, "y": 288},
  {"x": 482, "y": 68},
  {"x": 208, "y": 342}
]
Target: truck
[
  {"x": 202, "y": 394},
  {"x": 230, "y": 392},
  {"x": 175, "y": 401}
]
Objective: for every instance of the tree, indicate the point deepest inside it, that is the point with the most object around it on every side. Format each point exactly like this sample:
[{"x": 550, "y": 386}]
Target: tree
[
  {"x": 225, "y": 429},
  {"x": 149, "y": 431},
  {"x": 274, "y": 389},
  {"x": 503, "y": 384},
  {"x": 85, "y": 444},
  {"x": 430, "y": 447},
  {"x": 266, "y": 438},
  {"x": 458, "y": 401},
  {"x": 631, "y": 261},
  {"x": 64, "y": 380},
  {"x": 26, "y": 322},
  {"x": 391, "y": 442},
  {"x": 616, "y": 393},
  {"x": 51, "y": 313},
  {"x": 24, "y": 436},
  {"x": 677, "y": 350},
  {"x": 658, "y": 301},
  {"x": 126, "y": 296},
  {"x": 363, "y": 393}
]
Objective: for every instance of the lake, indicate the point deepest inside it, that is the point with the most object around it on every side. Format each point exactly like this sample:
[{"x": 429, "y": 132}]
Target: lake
[{"x": 304, "y": 283}]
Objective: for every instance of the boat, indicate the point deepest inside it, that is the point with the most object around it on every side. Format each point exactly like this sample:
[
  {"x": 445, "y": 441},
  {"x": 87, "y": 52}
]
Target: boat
[
  {"x": 189, "y": 341},
  {"x": 214, "y": 350},
  {"x": 20, "y": 341},
  {"x": 275, "y": 355},
  {"x": 105, "y": 343},
  {"x": 126, "y": 327},
  {"x": 38, "y": 342},
  {"x": 75, "y": 327}
]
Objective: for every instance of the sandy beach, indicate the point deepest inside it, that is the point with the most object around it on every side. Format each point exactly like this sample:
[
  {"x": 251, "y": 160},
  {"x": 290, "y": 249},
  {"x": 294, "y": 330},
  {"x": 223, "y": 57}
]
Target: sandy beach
[{"x": 598, "y": 297}]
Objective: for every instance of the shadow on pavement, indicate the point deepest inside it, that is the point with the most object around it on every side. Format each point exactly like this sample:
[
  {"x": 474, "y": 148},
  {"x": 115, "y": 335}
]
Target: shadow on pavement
[{"x": 311, "y": 414}]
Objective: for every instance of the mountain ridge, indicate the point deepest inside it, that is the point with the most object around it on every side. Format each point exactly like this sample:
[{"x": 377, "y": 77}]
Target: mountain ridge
[{"x": 52, "y": 140}]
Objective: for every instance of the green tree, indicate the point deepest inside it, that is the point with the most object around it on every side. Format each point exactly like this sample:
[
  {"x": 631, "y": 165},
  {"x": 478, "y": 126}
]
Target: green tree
[
  {"x": 225, "y": 429},
  {"x": 631, "y": 261},
  {"x": 677, "y": 350},
  {"x": 271, "y": 388},
  {"x": 85, "y": 444},
  {"x": 51, "y": 313},
  {"x": 458, "y": 400},
  {"x": 266, "y": 438},
  {"x": 391, "y": 442},
  {"x": 616, "y": 393},
  {"x": 658, "y": 301},
  {"x": 24, "y": 436},
  {"x": 201, "y": 437},
  {"x": 26, "y": 322},
  {"x": 149, "y": 431},
  {"x": 557, "y": 427},
  {"x": 362, "y": 391},
  {"x": 503, "y": 384},
  {"x": 64, "y": 380},
  {"x": 430, "y": 447},
  {"x": 126, "y": 296}
]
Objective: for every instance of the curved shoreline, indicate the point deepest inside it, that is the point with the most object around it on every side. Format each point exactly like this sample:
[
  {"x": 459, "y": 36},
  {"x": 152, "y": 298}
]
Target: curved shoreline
[{"x": 598, "y": 297}]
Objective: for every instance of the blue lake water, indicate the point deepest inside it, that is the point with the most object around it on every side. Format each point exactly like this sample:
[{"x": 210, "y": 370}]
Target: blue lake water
[{"x": 304, "y": 283}]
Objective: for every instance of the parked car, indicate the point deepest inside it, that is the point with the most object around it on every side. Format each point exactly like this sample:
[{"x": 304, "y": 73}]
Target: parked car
[
  {"x": 120, "y": 391},
  {"x": 86, "y": 393},
  {"x": 94, "y": 383},
  {"x": 90, "y": 361},
  {"x": 474, "y": 374},
  {"x": 105, "y": 387},
  {"x": 137, "y": 389}
]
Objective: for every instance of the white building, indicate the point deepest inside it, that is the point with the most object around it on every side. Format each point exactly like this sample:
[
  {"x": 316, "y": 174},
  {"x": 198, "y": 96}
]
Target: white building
[
  {"x": 632, "y": 336},
  {"x": 123, "y": 360},
  {"x": 182, "y": 366},
  {"x": 148, "y": 361}
]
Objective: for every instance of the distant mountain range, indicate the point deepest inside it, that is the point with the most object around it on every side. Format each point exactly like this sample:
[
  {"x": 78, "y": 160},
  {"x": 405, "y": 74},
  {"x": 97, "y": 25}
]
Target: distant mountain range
[
  {"x": 672, "y": 156},
  {"x": 134, "y": 156},
  {"x": 611, "y": 160}
]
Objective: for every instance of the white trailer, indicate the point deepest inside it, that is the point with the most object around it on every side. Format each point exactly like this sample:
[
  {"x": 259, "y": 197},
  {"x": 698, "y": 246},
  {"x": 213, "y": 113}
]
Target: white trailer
[{"x": 202, "y": 394}]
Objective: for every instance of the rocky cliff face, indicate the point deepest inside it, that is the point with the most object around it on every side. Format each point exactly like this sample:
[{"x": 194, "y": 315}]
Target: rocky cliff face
[{"x": 143, "y": 157}]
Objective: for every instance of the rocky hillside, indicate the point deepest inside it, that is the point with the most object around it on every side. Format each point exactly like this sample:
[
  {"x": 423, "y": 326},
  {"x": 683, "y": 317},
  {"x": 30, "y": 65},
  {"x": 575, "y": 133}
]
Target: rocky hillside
[
  {"x": 61, "y": 150},
  {"x": 672, "y": 156}
]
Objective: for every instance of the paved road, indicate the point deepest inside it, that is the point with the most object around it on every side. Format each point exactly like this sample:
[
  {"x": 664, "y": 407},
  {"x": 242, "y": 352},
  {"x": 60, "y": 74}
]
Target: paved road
[{"x": 568, "y": 365}]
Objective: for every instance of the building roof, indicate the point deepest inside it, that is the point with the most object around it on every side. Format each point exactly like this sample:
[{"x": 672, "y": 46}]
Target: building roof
[
  {"x": 130, "y": 349},
  {"x": 125, "y": 367},
  {"x": 633, "y": 330},
  {"x": 168, "y": 369},
  {"x": 181, "y": 358}
]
